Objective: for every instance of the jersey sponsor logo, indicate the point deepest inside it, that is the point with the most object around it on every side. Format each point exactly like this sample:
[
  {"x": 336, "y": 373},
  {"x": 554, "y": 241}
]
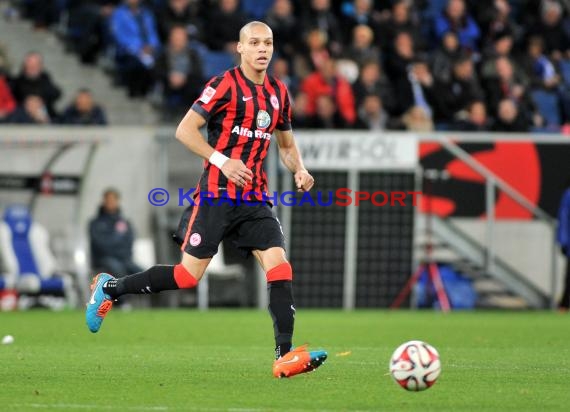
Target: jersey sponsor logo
[
  {"x": 263, "y": 119},
  {"x": 207, "y": 95},
  {"x": 195, "y": 239},
  {"x": 274, "y": 102},
  {"x": 245, "y": 99},
  {"x": 244, "y": 131}
]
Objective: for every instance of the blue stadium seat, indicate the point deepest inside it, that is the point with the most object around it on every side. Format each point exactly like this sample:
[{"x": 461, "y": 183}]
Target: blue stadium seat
[
  {"x": 548, "y": 106},
  {"x": 256, "y": 9},
  {"x": 216, "y": 62},
  {"x": 565, "y": 71},
  {"x": 29, "y": 264},
  {"x": 434, "y": 8}
]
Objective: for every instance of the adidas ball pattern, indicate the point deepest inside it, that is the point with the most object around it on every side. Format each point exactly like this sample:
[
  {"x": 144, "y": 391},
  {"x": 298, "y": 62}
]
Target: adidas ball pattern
[{"x": 415, "y": 365}]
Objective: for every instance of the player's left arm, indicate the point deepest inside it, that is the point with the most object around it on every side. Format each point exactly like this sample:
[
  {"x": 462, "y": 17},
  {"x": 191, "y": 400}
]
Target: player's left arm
[{"x": 291, "y": 158}]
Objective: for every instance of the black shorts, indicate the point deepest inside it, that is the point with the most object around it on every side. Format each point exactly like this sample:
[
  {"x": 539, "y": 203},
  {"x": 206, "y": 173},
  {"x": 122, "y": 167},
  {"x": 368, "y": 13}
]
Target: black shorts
[{"x": 249, "y": 226}]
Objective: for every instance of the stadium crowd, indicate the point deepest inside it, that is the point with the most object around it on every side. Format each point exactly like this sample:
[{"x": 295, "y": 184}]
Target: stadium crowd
[{"x": 470, "y": 65}]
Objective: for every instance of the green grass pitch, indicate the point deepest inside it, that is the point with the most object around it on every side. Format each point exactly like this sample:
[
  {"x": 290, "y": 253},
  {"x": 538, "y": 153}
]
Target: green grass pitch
[{"x": 186, "y": 360}]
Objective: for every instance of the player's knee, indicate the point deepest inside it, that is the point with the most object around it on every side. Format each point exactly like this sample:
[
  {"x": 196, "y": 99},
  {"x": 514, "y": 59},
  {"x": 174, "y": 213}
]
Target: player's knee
[
  {"x": 283, "y": 271},
  {"x": 194, "y": 265},
  {"x": 183, "y": 278}
]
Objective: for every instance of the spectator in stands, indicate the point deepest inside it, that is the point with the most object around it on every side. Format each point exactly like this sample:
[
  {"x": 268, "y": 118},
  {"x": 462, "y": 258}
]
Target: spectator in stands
[
  {"x": 313, "y": 55},
  {"x": 456, "y": 19},
  {"x": 112, "y": 238},
  {"x": 87, "y": 26},
  {"x": 135, "y": 36},
  {"x": 225, "y": 21},
  {"x": 301, "y": 120},
  {"x": 43, "y": 13},
  {"x": 444, "y": 57},
  {"x": 327, "y": 82},
  {"x": 285, "y": 28},
  {"x": 476, "y": 120},
  {"x": 508, "y": 86},
  {"x": 183, "y": 13},
  {"x": 463, "y": 88},
  {"x": 415, "y": 120},
  {"x": 416, "y": 88},
  {"x": 400, "y": 21},
  {"x": 280, "y": 70},
  {"x": 542, "y": 73},
  {"x": 371, "y": 114},
  {"x": 7, "y": 101},
  {"x": 326, "y": 114},
  {"x": 362, "y": 48},
  {"x": 371, "y": 81},
  {"x": 509, "y": 118},
  {"x": 320, "y": 15},
  {"x": 529, "y": 13},
  {"x": 402, "y": 55},
  {"x": 551, "y": 28},
  {"x": 495, "y": 17},
  {"x": 5, "y": 63},
  {"x": 179, "y": 70},
  {"x": 501, "y": 45},
  {"x": 34, "y": 80},
  {"x": 31, "y": 111},
  {"x": 563, "y": 239},
  {"x": 84, "y": 111},
  {"x": 361, "y": 12}
]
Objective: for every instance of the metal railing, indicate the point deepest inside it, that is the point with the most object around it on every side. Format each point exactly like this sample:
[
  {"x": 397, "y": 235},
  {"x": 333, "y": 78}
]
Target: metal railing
[{"x": 493, "y": 182}]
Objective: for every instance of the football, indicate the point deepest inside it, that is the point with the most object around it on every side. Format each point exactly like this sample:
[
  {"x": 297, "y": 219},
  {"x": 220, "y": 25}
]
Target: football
[{"x": 415, "y": 365}]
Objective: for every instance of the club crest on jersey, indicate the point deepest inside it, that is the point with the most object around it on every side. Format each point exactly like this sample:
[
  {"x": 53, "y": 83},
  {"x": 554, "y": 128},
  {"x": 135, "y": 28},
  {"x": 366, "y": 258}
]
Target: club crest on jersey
[
  {"x": 263, "y": 119},
  {"x": 207, "y": 95},
  {"x": 274, "y": 102}
]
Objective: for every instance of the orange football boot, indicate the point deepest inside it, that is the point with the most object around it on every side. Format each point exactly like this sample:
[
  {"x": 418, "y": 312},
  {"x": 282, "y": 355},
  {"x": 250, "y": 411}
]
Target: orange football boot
[{"x": 299, "y": 360}]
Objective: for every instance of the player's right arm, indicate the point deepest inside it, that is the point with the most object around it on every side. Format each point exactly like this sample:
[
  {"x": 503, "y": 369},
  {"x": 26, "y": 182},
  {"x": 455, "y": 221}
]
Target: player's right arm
[{"x": 188, "y": 133}]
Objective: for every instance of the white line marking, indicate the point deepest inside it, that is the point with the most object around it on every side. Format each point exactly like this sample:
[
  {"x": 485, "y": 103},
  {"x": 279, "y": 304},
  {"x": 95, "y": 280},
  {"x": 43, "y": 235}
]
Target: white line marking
[{"x": 60, "y": 406}]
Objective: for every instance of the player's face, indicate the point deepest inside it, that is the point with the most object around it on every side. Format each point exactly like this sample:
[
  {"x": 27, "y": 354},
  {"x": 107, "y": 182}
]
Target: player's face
[{"x": 257, "y": 48}]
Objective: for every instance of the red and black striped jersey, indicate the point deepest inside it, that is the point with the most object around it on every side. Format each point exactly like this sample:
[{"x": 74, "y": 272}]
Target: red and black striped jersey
[{"x": 241, "y": 118}]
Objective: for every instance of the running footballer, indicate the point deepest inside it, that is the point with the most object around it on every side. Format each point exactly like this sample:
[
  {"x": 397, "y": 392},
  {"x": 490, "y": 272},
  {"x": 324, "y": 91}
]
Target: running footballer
[{"x": 242, "y": 109}]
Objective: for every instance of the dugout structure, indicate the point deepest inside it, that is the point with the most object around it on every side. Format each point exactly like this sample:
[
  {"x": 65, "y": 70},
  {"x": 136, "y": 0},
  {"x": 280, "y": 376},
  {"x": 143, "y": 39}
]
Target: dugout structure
[
  {"x": 351, "y": 256},
  {"x": 60, "y": 173}
]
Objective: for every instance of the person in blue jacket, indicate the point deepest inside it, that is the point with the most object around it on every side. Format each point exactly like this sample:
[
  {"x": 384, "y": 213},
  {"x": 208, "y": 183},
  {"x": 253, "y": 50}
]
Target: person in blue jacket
[
  {"x": 134, "y": 32},
  {"x": 563, "y": 238},
  {"x": 456, "y": 19}
]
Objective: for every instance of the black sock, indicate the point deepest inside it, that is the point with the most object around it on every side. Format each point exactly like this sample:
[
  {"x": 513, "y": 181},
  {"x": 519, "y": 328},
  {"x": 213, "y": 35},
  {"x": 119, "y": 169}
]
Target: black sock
[
  {"x": 282, "y": 310},
  {"x": 153, "y": 280},
  {"x": 282, "y": 349}
]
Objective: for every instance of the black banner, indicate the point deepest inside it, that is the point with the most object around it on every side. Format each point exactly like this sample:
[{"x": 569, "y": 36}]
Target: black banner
[
  {"x": 47, "y": 183},
  {"x": 537, "y": 171}
]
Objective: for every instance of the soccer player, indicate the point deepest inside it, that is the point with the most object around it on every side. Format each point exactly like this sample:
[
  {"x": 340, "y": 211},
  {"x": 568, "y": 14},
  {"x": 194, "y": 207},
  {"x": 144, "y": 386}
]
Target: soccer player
[{"x": 242, "y": 108}]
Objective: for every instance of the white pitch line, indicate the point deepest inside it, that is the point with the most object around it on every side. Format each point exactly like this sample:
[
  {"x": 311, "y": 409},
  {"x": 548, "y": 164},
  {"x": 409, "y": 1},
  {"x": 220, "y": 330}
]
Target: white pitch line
[
  {"x": 87, "y": 406},
  {"x": 97, "y": 407},
  {"x": 60, "y": 406}
]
